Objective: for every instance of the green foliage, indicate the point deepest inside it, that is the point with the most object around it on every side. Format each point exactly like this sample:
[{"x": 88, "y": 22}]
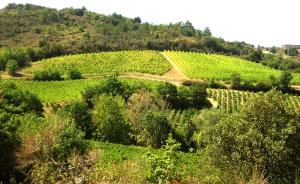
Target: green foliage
[
  {"x": 11, "y": 67},
  {"x": 162, "y": 168},
  {"x": 263, "y": 134},
  {"x": 154, "y": 129},
  {"x": 80, "y": 113},
  {"x": 109, "y": 123},
  {"x": 13, "y": 104},
  {"x": 53, "y": 31},
  {"x": 15, "y": 101},
  {"x": 69, "y": 139},
  {"x": 138, "y": 105},
  {"x": 278, "y": 62},
  {"x": 204, "y": 122},
  {"x": 168, "y": 92},
  {"x": 285, "y": 79},
  {"x": 236, "y": 80},
  {"x": 291, "y": 51},
  {"x": 50, "y": 148},
  {"x": 220, "y": 67},
  {"x": 255, "y": 55},
  {"x": 192, "y": 97},
  {"x": 110, "y": 85},
  {"x": 74, "y": 74},
  {"x": 47, "y": 75}
]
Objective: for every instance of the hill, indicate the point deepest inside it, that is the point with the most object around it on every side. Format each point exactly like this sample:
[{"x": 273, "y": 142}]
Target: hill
[
  {"x": 71, "y": 30},
  {"x": 220, "y": 67}
]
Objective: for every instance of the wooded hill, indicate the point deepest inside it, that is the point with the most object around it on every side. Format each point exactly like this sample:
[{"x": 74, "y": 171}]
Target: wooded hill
[{"x": 71, "y": 30}]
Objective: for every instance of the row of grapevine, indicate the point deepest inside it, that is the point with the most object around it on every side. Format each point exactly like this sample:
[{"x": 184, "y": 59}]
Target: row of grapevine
[
  {"x": 106, "y": 62},
  {"x": 232, "y": 100},
  {"x": 220, "y": 67}
]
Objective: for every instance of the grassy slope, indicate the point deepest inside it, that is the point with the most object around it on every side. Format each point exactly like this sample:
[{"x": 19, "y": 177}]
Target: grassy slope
[
  {"x": 57, "y": 91},
  {"x": 207, "y": 66},
  {"x": 127, "y": 163},
  {"x": 107, "y": 62}
]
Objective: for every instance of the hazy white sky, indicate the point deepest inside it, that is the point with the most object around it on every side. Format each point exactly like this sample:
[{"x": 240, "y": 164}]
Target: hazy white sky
[{"x": 259, "y": 22}]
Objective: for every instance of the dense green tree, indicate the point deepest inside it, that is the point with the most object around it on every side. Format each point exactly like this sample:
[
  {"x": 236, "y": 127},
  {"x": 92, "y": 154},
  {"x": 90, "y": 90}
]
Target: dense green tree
[
  {"x": 236, "y": 80},
  {"x": 11, "y": 67},
  {"x": 155, "y": 129},
  {"x": 110, "y": 85},
  {"x": 285, "y": 79},
  {"x": 108, "y": 121},
  {"x": 263, "y": 135},
  {"x": 291, "y": 51}
]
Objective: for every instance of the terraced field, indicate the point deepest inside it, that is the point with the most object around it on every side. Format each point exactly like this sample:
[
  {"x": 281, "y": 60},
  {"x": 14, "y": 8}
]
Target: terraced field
[
  {"x": 151, "y": 62},
  {"x": 219, "y": 67}
]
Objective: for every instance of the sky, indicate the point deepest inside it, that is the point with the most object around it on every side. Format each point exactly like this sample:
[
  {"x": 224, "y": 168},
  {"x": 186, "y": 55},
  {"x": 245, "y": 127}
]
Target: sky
[{"x": 258, "y": 22}]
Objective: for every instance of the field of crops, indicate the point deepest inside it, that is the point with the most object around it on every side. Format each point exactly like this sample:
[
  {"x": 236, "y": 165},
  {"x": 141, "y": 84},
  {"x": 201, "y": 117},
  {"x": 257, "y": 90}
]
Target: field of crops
[
  {"x": 106, "y": 62},
  {"x": 69, "y": 90},
  {"x": 219, "y": 67},
  {"x": 232, "y": 100}
]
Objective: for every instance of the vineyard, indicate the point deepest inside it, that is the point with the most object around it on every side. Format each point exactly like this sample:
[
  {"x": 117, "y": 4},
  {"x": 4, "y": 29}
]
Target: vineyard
[
  {"x": 219, "y": 67},
  {"x": 106, "y": 62},
  {"x": 70, "y": 90},
  {"x": 232, "y": 100}
]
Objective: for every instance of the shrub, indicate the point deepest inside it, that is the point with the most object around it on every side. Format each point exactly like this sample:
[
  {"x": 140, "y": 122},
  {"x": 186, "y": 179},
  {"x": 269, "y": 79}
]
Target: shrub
[
  {"x": 48, "y": 75},
  {"x": 204, "y": 122},
  {"x": 285, "y": 79},
  {"x": 162, "y": 168},
  {"x": 14, "y": 103},
  {"x": 80, "y": 113},
  {"x": 110, "y": 85},
  {"x": 12, "y": 67},
  {"x": 192, "y": 97},
  {"x": 154, "y": 129},
  {"x": 264, "y": 135},
  {"x": 109, "y": 123},
  {"x": 138, "y": 105},
  {"x": 48, "y": 148},
  {"x": 236, "y": 80},
  {"x": 74, "y": 74}
]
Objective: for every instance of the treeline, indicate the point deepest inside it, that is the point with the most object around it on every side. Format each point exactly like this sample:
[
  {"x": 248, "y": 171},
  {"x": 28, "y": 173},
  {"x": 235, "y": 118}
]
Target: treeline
[{"x": 79, "y": 30}]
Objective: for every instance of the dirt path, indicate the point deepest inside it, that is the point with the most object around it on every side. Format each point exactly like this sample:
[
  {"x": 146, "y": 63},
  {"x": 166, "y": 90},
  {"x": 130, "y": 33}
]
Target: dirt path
[{"x": 175, "y": 72}]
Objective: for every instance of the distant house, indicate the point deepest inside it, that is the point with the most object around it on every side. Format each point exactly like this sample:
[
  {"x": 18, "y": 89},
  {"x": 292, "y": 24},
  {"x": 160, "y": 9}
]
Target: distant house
[{"x": 288, "y": 46}]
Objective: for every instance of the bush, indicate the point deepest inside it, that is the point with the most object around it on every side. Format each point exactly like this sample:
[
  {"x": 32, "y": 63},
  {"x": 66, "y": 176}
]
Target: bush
[
  {"x": 264, "y": 135},
  {"x": 138, "y": 105},
  {"x": 154, "y": 129},
  {"x": 163, "y": 168},
  {"x": 236, "y": 80},
  {"x": 74, "y": 74},
  {"x": 48, "y": 144},
  {"x": 168, "y": 92},
  {"x": 80, "y": 113},
  {"x": 109, "y": 123},
  {"x": 12, "y": 67},
  {"x": 285, "y": 79},
  {"x": 14, "y": 103},
  {"x": 110, "y": 85},
  {"x": 192, "y": 97},
  {"x": 48, "y": 75}
]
